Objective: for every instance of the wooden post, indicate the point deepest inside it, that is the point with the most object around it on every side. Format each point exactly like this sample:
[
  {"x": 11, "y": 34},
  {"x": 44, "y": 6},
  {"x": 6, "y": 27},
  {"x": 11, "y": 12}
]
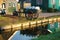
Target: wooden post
[
  {"x": 41, "y": 22},
  {"x": 11, "y": 28},
  {"x": 36, "y": 24},
  {"x": 52, "y": 21},
  {"x": 48, "y": 21},
  {"x": 29, "y": 25},
  {"x": 41, "y": 25},
  {"x": 21, "y": 26},
  {"x": 56, "y": 19}
]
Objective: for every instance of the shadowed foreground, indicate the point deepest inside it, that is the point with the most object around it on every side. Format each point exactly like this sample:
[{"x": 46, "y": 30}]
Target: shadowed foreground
[
  {"x": 53, "y": 36},
  {"x": 5, "y": 35}
]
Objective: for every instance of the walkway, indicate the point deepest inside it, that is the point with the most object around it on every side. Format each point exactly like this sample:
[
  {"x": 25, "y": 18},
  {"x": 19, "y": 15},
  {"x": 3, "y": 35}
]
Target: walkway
[{"x": 48, "y": 14}]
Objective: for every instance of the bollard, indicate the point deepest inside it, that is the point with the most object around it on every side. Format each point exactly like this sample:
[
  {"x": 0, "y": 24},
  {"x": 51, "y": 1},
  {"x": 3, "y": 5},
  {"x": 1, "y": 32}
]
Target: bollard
[
  {"x": 48, "y": 21},
  {"x": 56, "y": 19},
  {"x": 36, "y": 24},
  {"x": 41, "y": 22},
  {"x": 29, "y": 25},
  {"x": 52, "y": 20},
  {"x": 11, "y": 28},
  {"x": 21, "y": 26}
]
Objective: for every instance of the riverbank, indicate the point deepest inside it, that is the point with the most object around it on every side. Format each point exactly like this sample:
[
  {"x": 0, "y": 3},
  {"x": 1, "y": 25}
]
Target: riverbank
[
  {"x": 6, "y": 19},
  {"x": 53, "y": 36},
  {"x": 21, "y": 23},
  {"x": 9, "y": 20},
  {"x": 6, "y": 35}
]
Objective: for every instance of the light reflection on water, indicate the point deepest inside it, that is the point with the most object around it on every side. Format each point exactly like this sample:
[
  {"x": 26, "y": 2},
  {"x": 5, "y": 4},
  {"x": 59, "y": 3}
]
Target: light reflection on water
[
  {"x": 29, "y": 34},
  {"x": 19, "y": 36}
]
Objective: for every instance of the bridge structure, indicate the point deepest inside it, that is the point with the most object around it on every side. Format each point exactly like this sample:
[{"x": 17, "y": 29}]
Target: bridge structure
[{"x": 53, "y": 23}]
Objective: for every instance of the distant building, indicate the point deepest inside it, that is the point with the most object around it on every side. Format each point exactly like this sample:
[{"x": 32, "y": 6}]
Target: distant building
[
  {"x": 26, "y": 3},
  {"x": 8, "y": 5},
  {"x": 47, "y": 4},
  {"x": 42, "y": 3},
  {"x": 2, "y": 4},
  {"x": 11, "y": 5}
]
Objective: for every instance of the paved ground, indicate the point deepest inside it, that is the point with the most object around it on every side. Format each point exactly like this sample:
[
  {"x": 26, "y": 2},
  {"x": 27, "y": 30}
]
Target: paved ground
[{"x": 48, "y": 14}]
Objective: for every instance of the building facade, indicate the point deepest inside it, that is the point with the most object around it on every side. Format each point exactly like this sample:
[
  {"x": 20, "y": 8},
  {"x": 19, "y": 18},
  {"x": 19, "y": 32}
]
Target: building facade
[
  {"x": 42, "y": 3},
  {"x": 45, "y": 4},
  {"x": 8, "y": 5},
  {"x": 2, "y": 4}
]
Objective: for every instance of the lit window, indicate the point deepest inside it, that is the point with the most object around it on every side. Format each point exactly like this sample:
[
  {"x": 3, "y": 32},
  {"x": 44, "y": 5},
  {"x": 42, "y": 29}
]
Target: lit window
[
  {"x": 13, "y": 4},
  {"x": 3, "y": 5}
]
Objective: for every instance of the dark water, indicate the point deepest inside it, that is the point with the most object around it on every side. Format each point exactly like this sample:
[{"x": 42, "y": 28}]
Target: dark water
[
  {"x": 19, "y": 36},
  {"x": 29, "y": 34}
]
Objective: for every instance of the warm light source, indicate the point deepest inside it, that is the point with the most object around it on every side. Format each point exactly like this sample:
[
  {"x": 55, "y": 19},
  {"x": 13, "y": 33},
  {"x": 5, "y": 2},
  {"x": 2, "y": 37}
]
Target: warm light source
[{"x": 17, "y": 0}]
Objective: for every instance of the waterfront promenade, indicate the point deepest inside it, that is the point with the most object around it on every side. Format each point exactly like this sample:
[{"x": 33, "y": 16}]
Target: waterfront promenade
[
  {"x": 31, "y": 24},
  {"x": 22, "y": 26}
]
